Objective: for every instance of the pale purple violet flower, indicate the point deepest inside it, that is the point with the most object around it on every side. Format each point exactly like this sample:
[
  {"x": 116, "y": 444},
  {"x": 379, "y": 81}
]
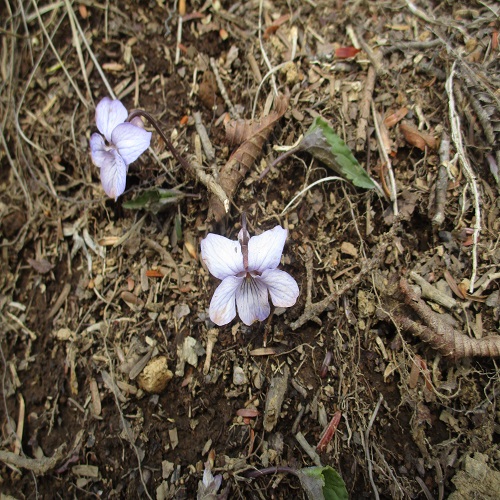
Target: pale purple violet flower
[
  {"x": 124, "y": 143},
  {"x": 247, "y": 268}
]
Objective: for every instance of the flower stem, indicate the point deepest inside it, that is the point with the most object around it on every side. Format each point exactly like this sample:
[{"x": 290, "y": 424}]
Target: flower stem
[
  {"x": 244, "y": 240},
  {"x": 196, "y": 171},
  {"x": 280, "y": 158},
  {"x": 180, "y": 159},
  {"x": 271, "y": 470}
]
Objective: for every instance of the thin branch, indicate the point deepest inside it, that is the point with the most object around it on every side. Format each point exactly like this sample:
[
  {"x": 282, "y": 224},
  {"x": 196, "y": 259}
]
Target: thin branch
[
  {"x": 37, "y": 465},
  {"x": 222, "y": 89},
  {"x": 366, "y": 446},
  {"x": 442, "y": 180}
]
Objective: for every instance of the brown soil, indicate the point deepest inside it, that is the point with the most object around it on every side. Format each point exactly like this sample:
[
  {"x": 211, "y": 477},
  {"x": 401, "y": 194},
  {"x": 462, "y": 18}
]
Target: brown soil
[{"x": 86, "y": 291}]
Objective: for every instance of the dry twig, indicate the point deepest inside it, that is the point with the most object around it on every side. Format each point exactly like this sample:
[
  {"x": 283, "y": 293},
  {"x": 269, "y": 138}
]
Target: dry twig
[
  {"x": 313, "y": 310},
  {"x": 387, "y": 161},
  {"x": 442, "y": 180},
  {"x": 364, "y": 108},
  {"x": 37, "y": 465},
  {"x": 222, "y": 89}
]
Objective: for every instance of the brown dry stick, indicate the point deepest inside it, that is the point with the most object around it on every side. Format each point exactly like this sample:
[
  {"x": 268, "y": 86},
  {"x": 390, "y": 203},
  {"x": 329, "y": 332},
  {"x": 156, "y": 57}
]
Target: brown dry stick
[
  {"x": 254, "y": 136},
  {"x": 313, "y": 310},
  {"x": 441, "y": 336}
]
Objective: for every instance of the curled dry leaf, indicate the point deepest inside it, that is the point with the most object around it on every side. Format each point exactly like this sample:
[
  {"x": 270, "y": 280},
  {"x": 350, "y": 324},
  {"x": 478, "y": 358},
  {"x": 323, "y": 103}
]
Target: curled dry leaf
[
  {"x": 252, "y": 137},
  {"x": 396, "y": 117},
  {"x": 329, "y": 431},
  {"x": 346, "y": 52},
  {"x": 248, "y": 412},
  {"x": 41, "y": 266},
  {"x": 416, "y": 138}
]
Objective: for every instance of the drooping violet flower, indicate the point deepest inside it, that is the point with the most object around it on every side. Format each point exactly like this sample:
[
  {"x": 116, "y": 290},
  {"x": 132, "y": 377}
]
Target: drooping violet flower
[
  {"x": 247, "y": 268},
  {"x": 210, "y": 485},
  {"x": 122, "y": 144}
]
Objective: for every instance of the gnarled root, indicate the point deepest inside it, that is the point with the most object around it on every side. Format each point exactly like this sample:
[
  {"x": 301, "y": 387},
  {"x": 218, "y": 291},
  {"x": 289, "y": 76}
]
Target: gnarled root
[{"x": 439, "y": 334}]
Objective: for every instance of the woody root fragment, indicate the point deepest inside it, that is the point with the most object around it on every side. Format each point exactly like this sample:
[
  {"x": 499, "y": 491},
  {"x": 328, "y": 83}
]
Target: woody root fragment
[{"x": 412, "y": 314}]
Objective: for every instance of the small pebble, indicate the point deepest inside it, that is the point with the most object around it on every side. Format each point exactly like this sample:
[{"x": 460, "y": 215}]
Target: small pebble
[{"x": 155, "y": 376}]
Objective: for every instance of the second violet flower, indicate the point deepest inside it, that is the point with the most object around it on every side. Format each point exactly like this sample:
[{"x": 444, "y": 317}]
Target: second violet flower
[
  {"x": 122, "y": 144},
  {"x": 249, "y": 274}
]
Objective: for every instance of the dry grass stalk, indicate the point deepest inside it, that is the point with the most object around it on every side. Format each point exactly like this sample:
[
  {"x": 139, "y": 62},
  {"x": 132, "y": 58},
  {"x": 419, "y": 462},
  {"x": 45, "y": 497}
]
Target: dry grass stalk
[{"x": 469, "y": 173}]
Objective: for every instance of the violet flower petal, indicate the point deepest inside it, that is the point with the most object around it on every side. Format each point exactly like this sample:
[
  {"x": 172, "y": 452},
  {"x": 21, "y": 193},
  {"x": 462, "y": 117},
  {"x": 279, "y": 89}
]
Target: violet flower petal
[
  {"x": 282, "y": 287},
  {"x": 131, "y": 141},
  {"x": 137, "y": 121},
  {"x": 113, "y": 174},
  {"x": 98, "y": 150},
  {"x": 264, "y": 251},
  {"x": 222, "y": 306},
  {"x": 252, "y": 300},
  {"x": 222, "y": 256},
  {"x": 109, "y": 114}
]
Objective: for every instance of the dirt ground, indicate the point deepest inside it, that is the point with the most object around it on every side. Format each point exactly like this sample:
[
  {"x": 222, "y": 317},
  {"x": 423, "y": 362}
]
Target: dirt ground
[{"x": 396, "y": 326}]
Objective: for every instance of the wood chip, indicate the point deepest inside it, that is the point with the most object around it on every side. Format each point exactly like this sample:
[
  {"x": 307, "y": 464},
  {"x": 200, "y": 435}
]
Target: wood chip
[
  {"x": 85, "y": 470},
  {"x": 174, "y": 438},
  {"x": 96, "y": 398},
  {"x": 60, "y": 301},
  {"x": 274, "y": 399}
]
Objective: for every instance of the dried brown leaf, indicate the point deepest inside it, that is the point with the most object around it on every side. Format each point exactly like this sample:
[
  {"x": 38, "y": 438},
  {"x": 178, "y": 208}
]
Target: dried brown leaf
[
  {"x": 397, "y": 116},
  {"x": 42, "y": 266},
  {"x": 254, "y": 136},
  {"x": 416, "y": 138},
  {"x": 453, "y": 284}
]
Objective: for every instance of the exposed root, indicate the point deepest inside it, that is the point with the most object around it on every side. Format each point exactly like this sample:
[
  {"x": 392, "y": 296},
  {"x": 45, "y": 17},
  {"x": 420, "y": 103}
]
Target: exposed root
[
  {"x": 439, "y": 334},
  {"x": 37, "y": 465}
]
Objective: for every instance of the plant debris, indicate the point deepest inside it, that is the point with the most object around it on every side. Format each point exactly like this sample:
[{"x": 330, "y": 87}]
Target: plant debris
[{"x": 388, "y": 117}]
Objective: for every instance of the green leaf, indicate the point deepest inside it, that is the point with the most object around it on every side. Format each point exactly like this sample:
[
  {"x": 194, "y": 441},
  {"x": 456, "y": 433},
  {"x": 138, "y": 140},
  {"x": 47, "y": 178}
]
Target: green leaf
[
  {"x": 154, "y": 200},
  {"x": 322, "y": 483},
  {"x": 325, "y": 145},
  {"x": 177, "y": 229}
]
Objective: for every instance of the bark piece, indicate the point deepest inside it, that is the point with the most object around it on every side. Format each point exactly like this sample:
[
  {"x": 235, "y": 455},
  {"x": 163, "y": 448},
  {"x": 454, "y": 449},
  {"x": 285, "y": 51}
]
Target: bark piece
[{"x": 275, "y": 397}]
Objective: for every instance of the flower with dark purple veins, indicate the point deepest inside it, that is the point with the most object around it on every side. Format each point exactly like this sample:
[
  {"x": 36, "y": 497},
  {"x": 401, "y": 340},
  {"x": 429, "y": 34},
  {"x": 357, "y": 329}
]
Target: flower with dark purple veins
[
  {"x": 247, "y": 268},
  {"x": 122, "y": 144}
]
